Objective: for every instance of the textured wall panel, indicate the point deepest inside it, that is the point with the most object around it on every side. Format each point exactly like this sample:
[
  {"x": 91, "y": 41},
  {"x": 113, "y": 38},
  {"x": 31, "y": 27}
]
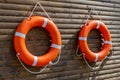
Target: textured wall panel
[{"x": 68, "y": 15}]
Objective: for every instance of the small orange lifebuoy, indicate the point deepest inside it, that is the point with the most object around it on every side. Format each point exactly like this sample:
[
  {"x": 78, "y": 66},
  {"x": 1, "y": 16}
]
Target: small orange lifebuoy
[
  {"x": 19, "y": 41},
  {"x": 90, "y": 25}
]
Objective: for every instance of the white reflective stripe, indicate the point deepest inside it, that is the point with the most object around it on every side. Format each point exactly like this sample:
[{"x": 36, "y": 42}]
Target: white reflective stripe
[
  {"x": 96, "y": 59},
  {"x": 98, "y": 26},
  {"x": 81, "y": 26},
  {"x": 45, "y": 22},
  {"x": 20, "y": 34},
  {"x": 55, "y": 46},
  {"x": 35, "y": 61},
  {"x": 107, "y": 42},
  {"x": 82, "y": 38},
  {"x": 18, "y": 54}
]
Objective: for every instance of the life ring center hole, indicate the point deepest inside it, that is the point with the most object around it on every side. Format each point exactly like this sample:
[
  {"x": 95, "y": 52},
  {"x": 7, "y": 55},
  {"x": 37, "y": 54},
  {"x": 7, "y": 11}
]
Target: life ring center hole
[
  {"x": 94, "y": 40},
  {"x": 37, "y": 41}
]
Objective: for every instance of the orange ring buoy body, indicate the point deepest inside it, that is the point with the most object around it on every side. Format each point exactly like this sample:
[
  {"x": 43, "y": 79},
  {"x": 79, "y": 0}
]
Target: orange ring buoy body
[
  {"x": 19, "y": 41},
  {"x": 90, "y": 25}
]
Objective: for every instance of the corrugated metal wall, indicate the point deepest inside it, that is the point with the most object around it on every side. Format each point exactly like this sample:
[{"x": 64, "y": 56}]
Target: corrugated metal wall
[{"x": 68, "y": 15}]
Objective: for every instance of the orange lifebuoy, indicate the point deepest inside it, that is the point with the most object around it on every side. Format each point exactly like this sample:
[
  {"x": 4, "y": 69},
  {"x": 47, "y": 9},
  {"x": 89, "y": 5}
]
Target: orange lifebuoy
[
  {"x": 19, "y": 41},
  {"x": 90, "y": 25}
]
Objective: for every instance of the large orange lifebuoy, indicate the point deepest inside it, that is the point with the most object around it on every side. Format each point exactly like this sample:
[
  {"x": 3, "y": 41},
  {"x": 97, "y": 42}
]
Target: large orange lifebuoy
[
  {"x": 90, "y": 25},
  {"x": 19, "y": 41}
]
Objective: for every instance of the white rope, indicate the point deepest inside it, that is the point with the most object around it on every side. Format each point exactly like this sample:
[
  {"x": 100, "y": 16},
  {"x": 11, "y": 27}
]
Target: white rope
[
  {"x": 32, "y": 11},
  {"x": 54, "y": 63},
  {"x": 51, "y": 63},
  {"x": 89, "y": 14},
  {"x": 100, "y": 62},
  {"x": 89, "y": 64},
  {"x": 40, "y": 71},
  {"x": 96, "y": 13},
  {"x": 111, "y": 51},
  {"x": 44, "y": 11},
  {"x": 38, "y": 3}
]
